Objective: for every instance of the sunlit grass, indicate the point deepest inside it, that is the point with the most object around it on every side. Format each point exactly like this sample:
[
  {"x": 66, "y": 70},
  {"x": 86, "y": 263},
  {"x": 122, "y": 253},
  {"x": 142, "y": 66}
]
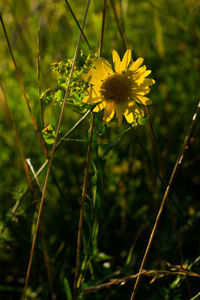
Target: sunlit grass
[{"x": 130, "y": 171}]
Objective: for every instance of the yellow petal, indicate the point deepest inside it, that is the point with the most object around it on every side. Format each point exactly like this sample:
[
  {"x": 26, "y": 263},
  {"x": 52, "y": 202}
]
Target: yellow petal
[
  {"x": 146, "y": 73},
  {"x": 100, "y": 106},
  {"x": 129, "y": 117},
  {"x": 125, "y": 61},
  {"x": 107, "y": 66},
  {"x": 131, "y": 103},
  {"x": 139, "y": 111},
  {"x": 147, "y": 82},
  {"x": 102, "y": 67},
  {"x": 116, "y": 61},
  {"x": 89, "y": 100},
  {"x": 141, "y": 79},
  {"x": 93, "y": 77},
  {"x": 93, "y": 96},
  {"x": 141, "y": 69},
  {"x": 144, "y": 100},
  {"x": 140, "y": 91},
  {"x": 136, "y": 64},
  {"x": 109, "y": 111},
  {"x": 139, "y": 72}
]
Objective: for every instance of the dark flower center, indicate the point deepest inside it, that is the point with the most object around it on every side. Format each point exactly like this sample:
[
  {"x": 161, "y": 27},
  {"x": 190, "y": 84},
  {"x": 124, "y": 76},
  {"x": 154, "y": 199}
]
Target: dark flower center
[{"x": 117, "y": 88}]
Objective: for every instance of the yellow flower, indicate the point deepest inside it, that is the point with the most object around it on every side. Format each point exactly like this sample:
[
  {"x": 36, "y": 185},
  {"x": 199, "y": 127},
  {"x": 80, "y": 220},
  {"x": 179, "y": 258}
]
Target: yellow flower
[{"x": 120, "y": 89}]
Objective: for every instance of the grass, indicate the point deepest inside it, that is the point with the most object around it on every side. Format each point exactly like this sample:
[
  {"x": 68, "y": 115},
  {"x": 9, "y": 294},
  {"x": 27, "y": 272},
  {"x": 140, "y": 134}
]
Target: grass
[{"x": 134, "y": 212}]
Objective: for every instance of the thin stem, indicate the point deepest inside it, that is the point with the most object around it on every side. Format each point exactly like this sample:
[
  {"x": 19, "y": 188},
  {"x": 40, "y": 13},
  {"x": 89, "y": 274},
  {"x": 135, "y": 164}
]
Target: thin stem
[
  {"x": 102, "y": 28},
  {"x": 51, "y": 158},
  {"x": 177, "y": 164},
  {"x": 162, "y": 175},
  {"x": 28, "y": 179},
  {"x": 59, "y": 144},
  {"x": 79, "y": 237},
  {"x": 74, "y": 127},
  {"x": 46, "y": 260},
  {"x": 23, "y": 89},
  {"x": 156, "y": 274},
  {"x": 77, "y": 23},
  {"x": 118, "y": 23},
  {"x": 161, "y": 166},
  {"x": 38, "y": 74}
]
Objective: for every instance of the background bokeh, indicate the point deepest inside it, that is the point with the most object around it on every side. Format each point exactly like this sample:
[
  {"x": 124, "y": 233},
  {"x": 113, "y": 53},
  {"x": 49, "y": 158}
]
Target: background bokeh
[{"x": 124, "y": 174}]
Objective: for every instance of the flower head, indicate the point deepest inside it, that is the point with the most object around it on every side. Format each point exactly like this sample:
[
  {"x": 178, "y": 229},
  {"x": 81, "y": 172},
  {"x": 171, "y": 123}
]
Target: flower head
[{"x": 120, "y": 89}]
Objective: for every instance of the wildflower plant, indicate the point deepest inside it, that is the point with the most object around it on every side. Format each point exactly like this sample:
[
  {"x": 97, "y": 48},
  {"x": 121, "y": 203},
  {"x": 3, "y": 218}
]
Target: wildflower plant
[
  {"x": 117, "y": 182},
  {"x": 61, "y": 71},
  {"x": 120, "y": 89}
]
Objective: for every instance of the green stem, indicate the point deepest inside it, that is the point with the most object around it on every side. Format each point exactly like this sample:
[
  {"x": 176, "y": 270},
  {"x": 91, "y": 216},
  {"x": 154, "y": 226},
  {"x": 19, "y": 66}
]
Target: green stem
[
  {"x": 79, "y": 237},
  {"x": 177, "y": 164}
]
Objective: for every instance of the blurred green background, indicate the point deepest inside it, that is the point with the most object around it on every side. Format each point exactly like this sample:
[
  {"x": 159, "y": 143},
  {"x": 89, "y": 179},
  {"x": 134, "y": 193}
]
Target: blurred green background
[{"x": 123, "y": 177}]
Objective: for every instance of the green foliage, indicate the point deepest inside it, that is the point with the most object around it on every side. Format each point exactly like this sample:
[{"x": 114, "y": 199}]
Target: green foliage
[
  {"x": 49, "y": 134},
  {"x": 61, "y": 71},
  {"x": 125, "y": 183},
  {"x": 67, "y": 289}
]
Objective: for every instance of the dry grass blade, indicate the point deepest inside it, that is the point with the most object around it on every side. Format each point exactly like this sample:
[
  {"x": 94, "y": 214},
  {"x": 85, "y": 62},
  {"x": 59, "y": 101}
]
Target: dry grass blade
[
  {"x": 28, "y": 179},
  {"x": 118, "y": 23},
  {"x": 156, "y": 274},
  {"x": 177, "y": 164},
  {"x": 38, "y": 76},
  {"x": 58, "y": 145},
  {"x": 79, "y": 237},
  {"x": 52, "y": 157},
  {"x": 46, "y": 260},
  {"x": 23, "y": 89},
  {"x": 161, "y": 166},
  {"x": 102, "y": 28},
  {"x": 46, "y": 256},
  {"x": 77, "y": 23}
]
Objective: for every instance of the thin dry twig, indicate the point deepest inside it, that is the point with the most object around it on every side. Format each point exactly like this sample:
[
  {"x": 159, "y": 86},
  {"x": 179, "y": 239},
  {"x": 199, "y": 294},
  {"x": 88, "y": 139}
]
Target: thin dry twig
[
  {"x": 79, "y": 237},
  {"x": 77, "y": 282},
  {"x": 177, "y": 164},
  {"x": 38, "y": 77},
  {"x": 119, "y": 23},
  {"x": 161, "y": 166},
  {"x": 23, "y": 89},
  {"x": 46, "y": 256},
  {"x": 102, "y": 28},
  {"x": 27, "y": 175},
  {"x": 42, "y": 167},
  {"x": 46, "y": 260},
  {"x": 77, "y": 23},
  {"x": 156, "y": 274},
  {"x": 52, "y": 157},
  {"x": 162, "y": 176}
]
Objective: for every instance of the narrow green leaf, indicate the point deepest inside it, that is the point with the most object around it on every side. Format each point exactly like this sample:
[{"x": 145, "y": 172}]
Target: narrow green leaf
[
  {"x": 196, "y": 297},
  {"x": 67, "y": 289}
]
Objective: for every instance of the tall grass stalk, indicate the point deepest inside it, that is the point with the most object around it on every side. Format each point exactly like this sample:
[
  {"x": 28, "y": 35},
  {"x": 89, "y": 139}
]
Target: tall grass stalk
[
  {"x": 175, "y": 169},
  {"x": 38, "y": 77},
  {"x": 52, "y": 156},
  {"x": 19, "y": 144},
  {"x": 23, "y": 89},
  {"x": 79, "y": 237}
]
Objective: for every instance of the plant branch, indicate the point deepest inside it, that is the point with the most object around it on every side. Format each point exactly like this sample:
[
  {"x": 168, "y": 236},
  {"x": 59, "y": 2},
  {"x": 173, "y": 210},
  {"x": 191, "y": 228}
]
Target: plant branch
[
  {"x": 23, "y": 89},
  {"x": 175, "y": 169},
  {"x": 52, "y": 156},
  {"x": 79, "y": 237},
  {"x": 77, "y": 23},
  {"x": 28, "y": 179}
]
